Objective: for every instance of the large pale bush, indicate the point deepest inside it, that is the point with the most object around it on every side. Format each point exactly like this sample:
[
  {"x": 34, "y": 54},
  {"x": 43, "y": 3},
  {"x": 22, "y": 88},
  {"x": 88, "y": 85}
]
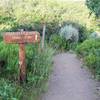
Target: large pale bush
[
  {"x": 94, "y": 35},
  {"x": 69, "y": 33}
]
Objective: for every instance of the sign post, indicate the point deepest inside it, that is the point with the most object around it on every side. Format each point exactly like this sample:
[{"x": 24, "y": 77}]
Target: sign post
[
  {"x": 22, "y": 62},
  {"x": 22, "y": 38}
]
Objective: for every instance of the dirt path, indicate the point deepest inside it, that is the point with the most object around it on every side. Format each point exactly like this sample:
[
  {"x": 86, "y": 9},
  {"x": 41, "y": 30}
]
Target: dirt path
[{"x": 69, "y": 81}]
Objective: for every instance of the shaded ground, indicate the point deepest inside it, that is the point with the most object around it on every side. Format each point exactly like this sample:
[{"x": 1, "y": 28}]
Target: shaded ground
[{"x": 70, "y": 81}]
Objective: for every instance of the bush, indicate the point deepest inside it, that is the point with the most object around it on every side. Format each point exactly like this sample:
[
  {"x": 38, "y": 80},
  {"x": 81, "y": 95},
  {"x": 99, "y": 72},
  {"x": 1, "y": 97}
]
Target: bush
[
  {"x": 90, "y": 51},
  {"x": 91, "y": 61},
  {"x": 81, "y": 29},
  {"x": 94, "y": 35},
  {"x": 58, "y": 43},
  {"x": 10, "y": 91},
  {"x": 88, "y": 46},
  {"x": 69, "y": 36},
  {"x": 69, "y": 33}
]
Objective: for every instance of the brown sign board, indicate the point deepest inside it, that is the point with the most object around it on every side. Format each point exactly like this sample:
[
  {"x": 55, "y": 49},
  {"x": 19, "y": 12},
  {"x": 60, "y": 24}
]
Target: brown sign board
[{"x": 22, "y": 37}]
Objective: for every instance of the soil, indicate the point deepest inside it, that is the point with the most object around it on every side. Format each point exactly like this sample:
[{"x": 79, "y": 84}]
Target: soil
[{"x": 70, "y": 81}]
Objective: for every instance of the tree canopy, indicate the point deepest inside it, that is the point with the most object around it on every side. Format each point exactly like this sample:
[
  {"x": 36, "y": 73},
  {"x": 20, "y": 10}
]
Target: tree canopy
[{"x": 94, "y": 6}]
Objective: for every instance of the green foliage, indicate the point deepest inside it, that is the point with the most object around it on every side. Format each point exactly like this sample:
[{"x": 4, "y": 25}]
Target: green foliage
[
  {"x": 9, "y": 56},
  {"x": 38, "y": 66},
  {"x": 94, "y": 6},
  {"x": 90, "y": 51},
  {"x": 58, "y": 43},
  {"x": 69, "y": 33},
  {"x": 28, "y": 14},
  {"x": 31, "y": 15},
  {"x": 94, "y": 35},
  {"x": 83, "y": 34},
  {"x": 10, "y": 91},
  {"x": 91, "y": 61},
  {"x": 88, "y": 46}
]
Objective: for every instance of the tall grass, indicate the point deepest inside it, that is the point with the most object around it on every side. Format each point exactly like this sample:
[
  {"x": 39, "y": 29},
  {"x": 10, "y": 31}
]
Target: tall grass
[{"x": 39, "y": 65}]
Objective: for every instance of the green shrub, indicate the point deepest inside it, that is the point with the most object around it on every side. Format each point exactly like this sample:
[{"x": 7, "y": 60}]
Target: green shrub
[
  {"x": 91, "y": 61},
  {"x": 9, "y": 55},
  {"x": 90, "y": 51},
  {"x": 10, "y": 91},
  {"x": 58, "y": 43},
  {"x": 88, "y": 46},
  {"x": 39, "y": 65},
  {"x": 97, "y": 64},
  {"x": 82, "y": 30},
  {"x": 94, "y": 35},
  {"x": 69, "y": 33}
]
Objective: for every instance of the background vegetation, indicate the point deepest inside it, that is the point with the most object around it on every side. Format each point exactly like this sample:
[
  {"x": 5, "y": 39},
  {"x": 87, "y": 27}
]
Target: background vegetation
[
  {"x": 94, "y": 6},
  {"x": 90, "y": 51},
  {"x": 38, "y": 69},
  {"x": 68, "y": 26}
]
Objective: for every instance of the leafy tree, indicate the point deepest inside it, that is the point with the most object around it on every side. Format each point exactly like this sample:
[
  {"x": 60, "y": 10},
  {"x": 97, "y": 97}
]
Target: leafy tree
[{"x": 94, "y": 6}]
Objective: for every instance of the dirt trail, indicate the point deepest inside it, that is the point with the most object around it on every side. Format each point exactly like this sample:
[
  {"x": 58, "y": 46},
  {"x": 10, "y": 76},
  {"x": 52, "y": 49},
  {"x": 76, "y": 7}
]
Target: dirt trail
[{"x": 69, "y": 81}]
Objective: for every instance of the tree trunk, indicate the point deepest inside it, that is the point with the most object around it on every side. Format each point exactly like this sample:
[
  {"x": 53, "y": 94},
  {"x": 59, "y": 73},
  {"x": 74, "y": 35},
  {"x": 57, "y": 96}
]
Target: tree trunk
[{"x": 43, "y": 35}]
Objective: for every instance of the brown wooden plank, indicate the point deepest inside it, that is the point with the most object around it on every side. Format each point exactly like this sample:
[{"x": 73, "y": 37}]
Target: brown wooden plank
[
  {"x": 21, "y": 37},
  {"x": 22, "y": 63}
]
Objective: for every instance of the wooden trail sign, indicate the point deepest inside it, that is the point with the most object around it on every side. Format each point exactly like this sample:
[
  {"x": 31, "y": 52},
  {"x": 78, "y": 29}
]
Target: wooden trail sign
[{"x": 22, "y": 38}]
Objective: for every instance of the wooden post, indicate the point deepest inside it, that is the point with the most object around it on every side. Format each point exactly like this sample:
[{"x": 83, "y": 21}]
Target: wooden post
[
  {"x": 43, "y": 35},
  {"x": 22, "y": 63}
]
